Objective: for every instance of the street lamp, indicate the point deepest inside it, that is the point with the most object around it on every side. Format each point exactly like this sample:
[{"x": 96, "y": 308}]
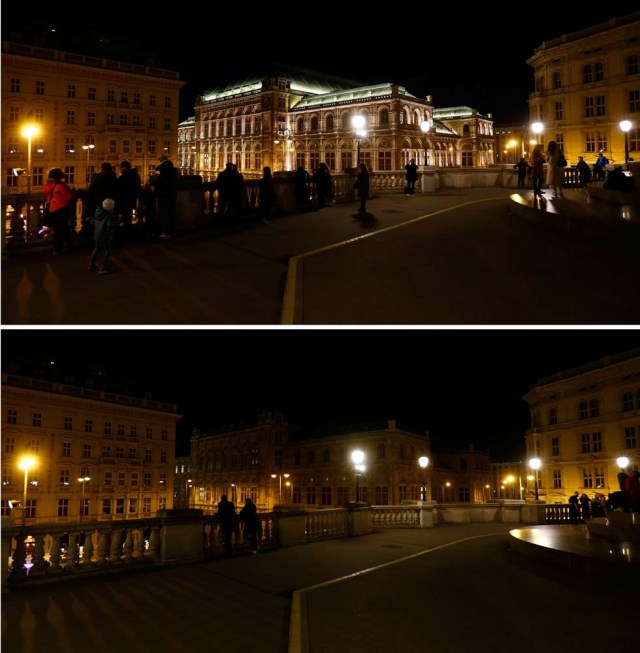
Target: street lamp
[
  {"x": 283, "y": 135},
  {"x": 626, "y": 125},
  {"x": 83, "y": 508},
  {"x": 423, "y": 461},
  {"x": 187, "y": 485},
  {"x": 26, "y": 463},
  {"x": 279, "y": 477},
  {"x": 358, "y": 123},
  {"x": 29, "y": 132},
  {"x": 357, "y": 457},
  {"x": 425, "y": 126},
  {"x": 535, "y": 464},
  {"x": 513, "y": 143},
  {"x": 88, "y": 147},
  {"x": 622, "y": 462},
  {"x": 537, "y": 128}
]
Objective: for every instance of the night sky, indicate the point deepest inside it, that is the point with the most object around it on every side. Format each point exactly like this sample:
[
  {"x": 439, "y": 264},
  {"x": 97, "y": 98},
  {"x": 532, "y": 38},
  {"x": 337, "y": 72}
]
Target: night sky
[
  {"x": 463, "y": 385},
  {"x": 474, "y": 57}
]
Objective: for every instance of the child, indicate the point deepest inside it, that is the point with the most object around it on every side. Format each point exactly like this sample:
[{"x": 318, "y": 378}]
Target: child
[{"x": 104, "y": 226}]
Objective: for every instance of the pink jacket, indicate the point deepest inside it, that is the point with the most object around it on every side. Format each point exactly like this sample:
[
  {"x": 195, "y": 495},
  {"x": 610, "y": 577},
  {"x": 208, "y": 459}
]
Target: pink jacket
[{"x": 61, "y": 195}]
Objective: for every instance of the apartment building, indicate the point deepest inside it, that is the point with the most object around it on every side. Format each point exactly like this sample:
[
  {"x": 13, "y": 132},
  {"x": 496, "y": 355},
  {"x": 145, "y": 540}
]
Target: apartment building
[{"x": 582, "y": 421}]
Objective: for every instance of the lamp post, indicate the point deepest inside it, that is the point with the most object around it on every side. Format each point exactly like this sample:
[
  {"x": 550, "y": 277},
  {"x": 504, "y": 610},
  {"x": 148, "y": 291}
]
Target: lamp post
[
  {"x": 357, "y": 457},
  {"x": 279, "y": 477},
  {"x": 425, "y": 126},
  {"x": 283, "y": 135},
  {"x": 626, "y": 125},
  {"x": 84, "y": 480},
  {"x": 88, "y": 147},
  {"x": 535, "y": 464},
  {"x": 26, "y": 463},
  {"x": 622, "y": 463},
  {"x": 29, "y": 132},
  {"x": 537, "y": 128},
  {"x": 358, "y": 123},
  {"x": 508, "y": 481},
  {"x": 187, "y": 485},
  {"x": 423, "y": 461}
]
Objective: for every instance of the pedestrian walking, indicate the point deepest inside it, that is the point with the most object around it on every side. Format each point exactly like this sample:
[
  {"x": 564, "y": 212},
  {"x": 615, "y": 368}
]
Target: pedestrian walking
[
  {"x": 228, "y": 521},
  {"x": 411, "y": 175},
  {"x": 249, "y": 517},
  {"x": 104, "y": 228},
  {"x": 574, "y": 508}
]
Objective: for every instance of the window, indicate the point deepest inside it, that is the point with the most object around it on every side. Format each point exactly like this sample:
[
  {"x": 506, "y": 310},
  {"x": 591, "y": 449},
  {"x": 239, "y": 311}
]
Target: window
[
  {"x": 149, "y": 432},
  {"x": 277, "y": 457},
  {"x": 557, "y": 80},
  {"x": 39, "y": 88},
  {"x": 106, "y": 506},
  {"x": 594, "y": 408},
  {"x": 69, "y": 144},
  {"x": 380, "y": 452},
  {"x": 12, "y": 416},
  {"x": 630, "y": 441},
  {"x": 71, "y": 90},
  {"x": 553, "y": 416},
  {"x": 627, "y": 401},
  {"x": 86, "y": 450},
  {"x": 71, "y": 117},
  {"x": 325, "y": 496},
  {"x": 162, "y": 481},
  {"x": 111, "y": 95},
  {"x": 66, "y": 449},
  {"x": 133, "y": 452},
  {"x": 119, "y": 452},
  {"x": 167, "y": 124},
  {"x": 583, "y": 411},
  {"x": 311, "y": 458},
  {"x": 314, "y": 124},
  {"x": 9, "y": 445},
  {"x": 586, "y": 443},
  {"x": 557, "y": 478},
  {"x": 108, "y": 478},
  {"x": 555, "y": 446},
  {"x": 464, "y": 494},
  {"x": 120, "y": 430},
  {"x": 36, "y": 419},
  {"x": 558, "y": 111},
  {"x": 14, "y": 113},
  {"x": 123, "y": 119},
  {"x": 598, "y": 71},
  {"x": 126, "y": 146},
  {"x": 65, "y": 477},
  {"x": 311, "y": 495},
  {"x": 136, "y": 98},
  {"x": 152, "y": 123},
  {"x": 63, "y": 507},
  {"x": 146, "y": 479},
  {"x": 15, "y": 85},
  {"x": 589, "y": 107},
  {"x": 633, "y": 64},
  {"x": 146, "y": 506},
  {"x": 120, "y": 506},
  {"x": 91, "y": 93},
  {"x": 88, "y": 426},
  {"x": 329, "y": 124},
  {"x": 133, "y": 431},
  {"x": 135, "y": 479},
  {"x": 382, "y": 495},
  {"x": 364, "y": 494},
  {"x": 151, "y": 146},
  {"x": 163, "y": 456},
  {"x": 122, "y": 479},
  {"x": 110, "y": 119},
  {"x": 587, "y": 478},
  {"x": 596, "y": 441},
  {"x": 68, "y": 423},
  {"x": 587, "y": 74},
  {"x": 124, "y": 97},
  {"x": 326, "y": 457},
  {"x": 106, "y": 451},
  {"x": 634, "y": 101}
]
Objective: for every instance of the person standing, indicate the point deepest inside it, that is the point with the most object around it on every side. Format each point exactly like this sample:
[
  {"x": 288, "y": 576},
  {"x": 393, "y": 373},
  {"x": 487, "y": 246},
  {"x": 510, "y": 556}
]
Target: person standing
[
  {"x": 585, "y": 502},
  {"x": 557, "y": 163},
  {"x": 522, "y": 167},
  {"x": 584, "y": 172},
  {"x": 129, "y": 185},
  {"x": 411, "y": 176},
  {"x": 600, "y": 166},
  {"x": 574, "y": 508},
  {"x": 249, "y": 516},
  {"x": 228, "y": 522},
  {"x": 302, "y": 188},
  {"x": 104, "y": 228},
  {"x": 60, "y": 199},
  {"x": 362, "y": 186},
  {"x": 165, "y": 189},
  {"x": 537, "y": 170},
  {"x": 324, "y": 185},
  {"x": 266, "y": 194}
]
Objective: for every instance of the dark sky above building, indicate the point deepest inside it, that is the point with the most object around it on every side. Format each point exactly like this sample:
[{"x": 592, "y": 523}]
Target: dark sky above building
[
  {"x": 476, "y": 56},
  {"x": 464, "y": 385}
]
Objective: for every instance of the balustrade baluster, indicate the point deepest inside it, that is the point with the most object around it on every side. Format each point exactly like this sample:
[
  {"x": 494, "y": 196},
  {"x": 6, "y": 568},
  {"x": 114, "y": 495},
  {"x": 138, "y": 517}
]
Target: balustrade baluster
[
  {"x": 115, "y": 552},
  {"x": 127, "y": 552},
  {"x": 140, "y": 544},
  {"x": 154, "y": 542},
  {"x": 55, "y": 554},
  {"x": 72, "y": 552},
  {"x": 103, "y": 547},
  {"x": 87, "y": 549},
  {"x": 20, "y": 556},
  {"x": 37, "y": 557}
]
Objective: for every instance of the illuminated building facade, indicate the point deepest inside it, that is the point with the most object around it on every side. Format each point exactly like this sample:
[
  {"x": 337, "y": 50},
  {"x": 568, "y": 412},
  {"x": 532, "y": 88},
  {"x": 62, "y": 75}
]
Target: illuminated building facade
[
  {"x": 299, "y": 118},
  {"x": 586, "y": 83},
  {"x": 86, "y": 110},
  {"x": 582, "y": 421},
  {"x": 98, "y": 453},
  {"x": 273, "y": 463}
]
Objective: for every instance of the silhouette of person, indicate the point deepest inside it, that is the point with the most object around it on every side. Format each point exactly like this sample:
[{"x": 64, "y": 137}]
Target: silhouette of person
[
  {"x": 302, "y": 187},
  {"x": 600, "y": 166},
  {"x": 584, "y": 172},
  {"x": 411, "y": 176},
  {"x": 103, "y": 185},
  {"x": 362, "y": 186},
  {"x": 61, "y": 200},
  {"x": 324, "y": 185},
  {"x": 266, "y": 194},
  {"x": 228, "y": 522},
  {"x": 225, "y": 186},
  {"x": 555, "y": 177},
  {"x": 522, "y": 167},
  {"x": 249, "y": 516},
  {"x": 165, "y": 189},
  {"x": 129, "y": 184},
  {"x": 537, "y": 169},
  {"x": 585, "y": 502},
  {"x": 104, "y": 227},
  {"x": 574, "y": 508}
]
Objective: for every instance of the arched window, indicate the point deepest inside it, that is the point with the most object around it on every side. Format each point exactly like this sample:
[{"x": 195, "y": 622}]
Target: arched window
[
  {"x": 326, "y": 456},
  {"x": 300, "y": 125},
  {"x": 598, "y": 71},
  {"x": 557, "y": 79},
  {"x": 465, "y": 130},
  {"x": 384, "y": 117},
  {"x": 329, "y": 123},
  {"x": 380, "y": 453},
  {"x": 346, "y": 122},
  {"x": 314, "y": 124}
]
